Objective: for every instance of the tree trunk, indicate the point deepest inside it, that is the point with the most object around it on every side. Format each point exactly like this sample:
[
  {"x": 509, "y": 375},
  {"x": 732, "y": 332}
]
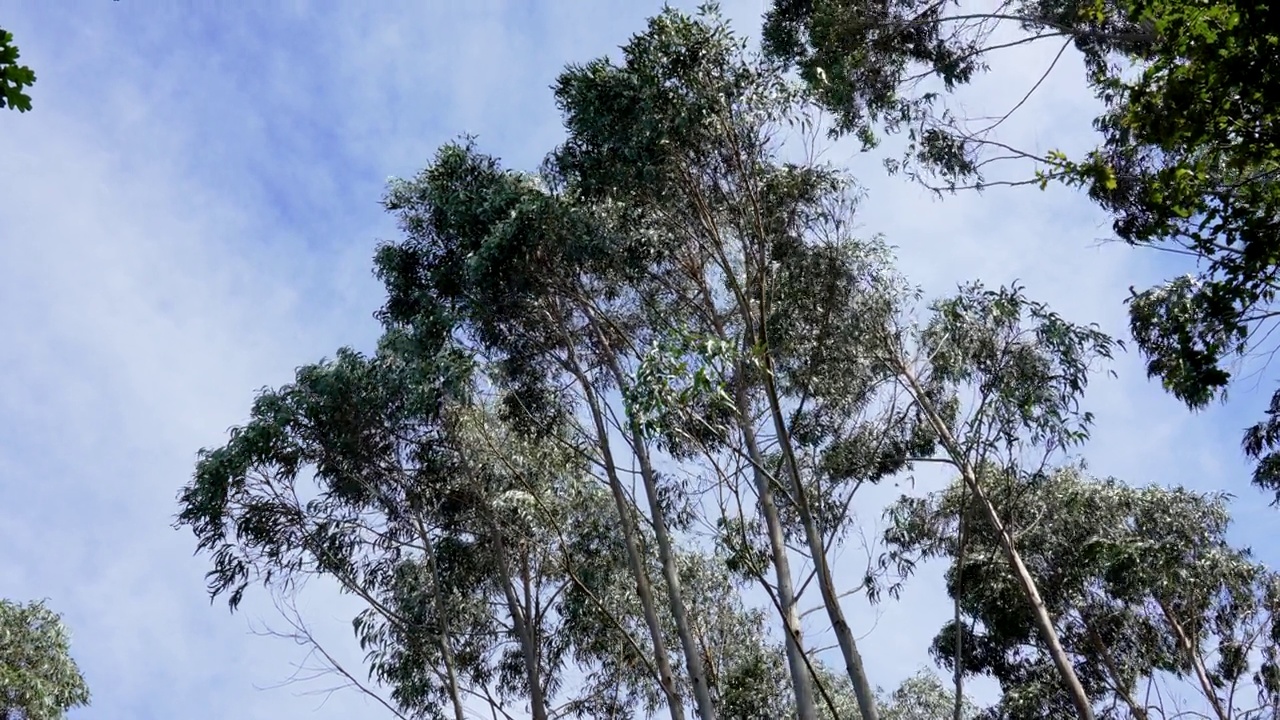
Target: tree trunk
[
  {"x": 817, "y": 549},
  {"x": 670, "y": 569},
  {"x": 957, "y": 710},
  {"x": 798, "y": 665},
  {"x": 1139, "y": 712},
  {"x": 1202, "y": 675},
  {"x": 802, "y": 683},
  {"x": 665, "y": 675},
  {"x": 1032, "y": 594},
  {"x": 671, "y": 572},
  {"x": 446, "y": 650},
  {"x": 528, "y": 646}
]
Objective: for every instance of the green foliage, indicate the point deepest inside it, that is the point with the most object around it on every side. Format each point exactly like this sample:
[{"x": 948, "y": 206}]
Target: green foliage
[
  {"x": 1191, "y": 146},
  {"x": 339, "y": 425},
  {"x": 382, "y": 473},
  {"x": 13, "y": 77},
  {"x": 855, "y": 55},
  {"x": 377, "y": 472},
  {"x": 1028, "y": 364},
  {"x": 679, "y": 393},
  {"x": 38, "y": 678},
  {"x": 469, "y": 480},
  {"x": 1187, "y": 159},
  {"x": 686, "y": 90},
  {"x": 923, "y": 697},
  {"x": 1124, "y": 571}
]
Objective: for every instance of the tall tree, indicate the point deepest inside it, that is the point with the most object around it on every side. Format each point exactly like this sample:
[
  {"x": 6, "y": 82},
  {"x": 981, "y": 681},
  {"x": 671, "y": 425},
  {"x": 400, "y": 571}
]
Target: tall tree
[
  {"x": 1027, "y": 367},
  {"x": 383, "y": 473},
  {"x": 610, "y": 390},
  {"x": 38, "y": 678}
]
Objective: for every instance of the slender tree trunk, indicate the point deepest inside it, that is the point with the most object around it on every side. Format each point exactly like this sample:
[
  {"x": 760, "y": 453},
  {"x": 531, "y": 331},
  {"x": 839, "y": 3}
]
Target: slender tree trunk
[
  {"x": 802, "y": 683},
  {"x": 670, "y": 568},
  {"x": 671, "y": 572},
  {"x": 643, "y": 588},
  {"x": 1029, "y": 590},
  {"x": 525, "y": 633},
  {"x": 957, "y": 710},
  {"x": 1139, "y": 712},
  {"x": 801, "y": 679},
  {"x": 1197, "y": 664},
  {"x": 446, "y": 650},
  {"x": 817, "y": 549}
]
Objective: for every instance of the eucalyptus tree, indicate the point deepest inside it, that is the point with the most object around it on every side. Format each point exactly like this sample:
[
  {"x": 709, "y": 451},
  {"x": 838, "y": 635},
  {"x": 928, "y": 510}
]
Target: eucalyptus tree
[
  {"x": 924, "y": 696},
  {"x": 348, "y": 473},
  {"x": 1026, "y": 367},
  {"x": 39, "y": 680},
  {"x": 1186, "y": 159},
  {"x": 392, "y": 475},
  {"x": 800, "y": 319},
  {"x": 486, "y": 557},
  {"x": 671, "y": 301},
  {"x": 511, "y": 267},
  {"x": 685, "y": 139},
  {"x": 1143, "y": 585},
  {"x": 650, "y": 222}
]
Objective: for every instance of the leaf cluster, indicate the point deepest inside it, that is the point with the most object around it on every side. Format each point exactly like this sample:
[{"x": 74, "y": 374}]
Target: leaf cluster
[
  {"x": 1186, "y": 160},
  {"x": 13, "y": 77},
  {"x": 38, "y": 678}
]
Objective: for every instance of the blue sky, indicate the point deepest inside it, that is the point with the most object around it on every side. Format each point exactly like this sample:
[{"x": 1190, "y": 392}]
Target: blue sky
[{"x": 190, "y": 211}]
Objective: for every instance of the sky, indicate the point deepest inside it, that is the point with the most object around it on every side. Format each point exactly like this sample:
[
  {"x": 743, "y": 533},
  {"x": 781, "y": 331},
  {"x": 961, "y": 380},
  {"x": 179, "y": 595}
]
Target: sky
[{"x": 189, "y": 213}]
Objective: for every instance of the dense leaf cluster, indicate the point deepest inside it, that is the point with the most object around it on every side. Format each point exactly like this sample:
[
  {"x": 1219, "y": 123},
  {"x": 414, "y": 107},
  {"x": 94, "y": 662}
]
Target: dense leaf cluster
[
  {"x": 13, "y": 77},
  {"x": 38, "y": 678},
  {"x": 1147, "y": 589}
]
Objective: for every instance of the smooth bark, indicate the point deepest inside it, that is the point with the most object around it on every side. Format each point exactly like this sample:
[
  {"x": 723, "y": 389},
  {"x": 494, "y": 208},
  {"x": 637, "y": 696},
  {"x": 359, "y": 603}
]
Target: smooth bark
[
  {"x": 643, "y": 587},
  {"x": 670, "y": 569},
  {"x": 1049, "y": 634},
  {"x": 525, "y": 633},
  {"x": 817, "y": 549}
]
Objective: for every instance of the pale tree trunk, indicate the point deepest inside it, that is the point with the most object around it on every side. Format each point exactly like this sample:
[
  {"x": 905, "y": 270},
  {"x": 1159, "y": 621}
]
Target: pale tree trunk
[
  {"x": 671, "y": 572},
  {"x": 670, "y": 569},
  {"x": 1197, "y": 664},
  {"x": 643, "y": 587},
  {"x": 802, "y": 683},
  {"x": 1139, "y": 712},
  {"x": 525, "y": 633},
  {"x": 566, "y": 557},
  {"x": 857, "y": 673},
  {"x": 817, "y": 549},
  {"x": 957, "y": 711},
  {"x": 1029, "y": 590},
  {"x": 797, "y": 663},
  {"x": 844, "y": 636},
  {"x": 446, "y": 650}
]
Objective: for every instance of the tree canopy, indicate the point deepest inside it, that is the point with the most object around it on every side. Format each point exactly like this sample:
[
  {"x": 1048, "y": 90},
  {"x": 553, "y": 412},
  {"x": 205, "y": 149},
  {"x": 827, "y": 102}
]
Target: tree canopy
[
  {"x": 1142, "y": 582},
  {"x": 620, "y": 394},
  {"x": 38, "y": 678},
  {"x": 1185, "y": 163}
]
